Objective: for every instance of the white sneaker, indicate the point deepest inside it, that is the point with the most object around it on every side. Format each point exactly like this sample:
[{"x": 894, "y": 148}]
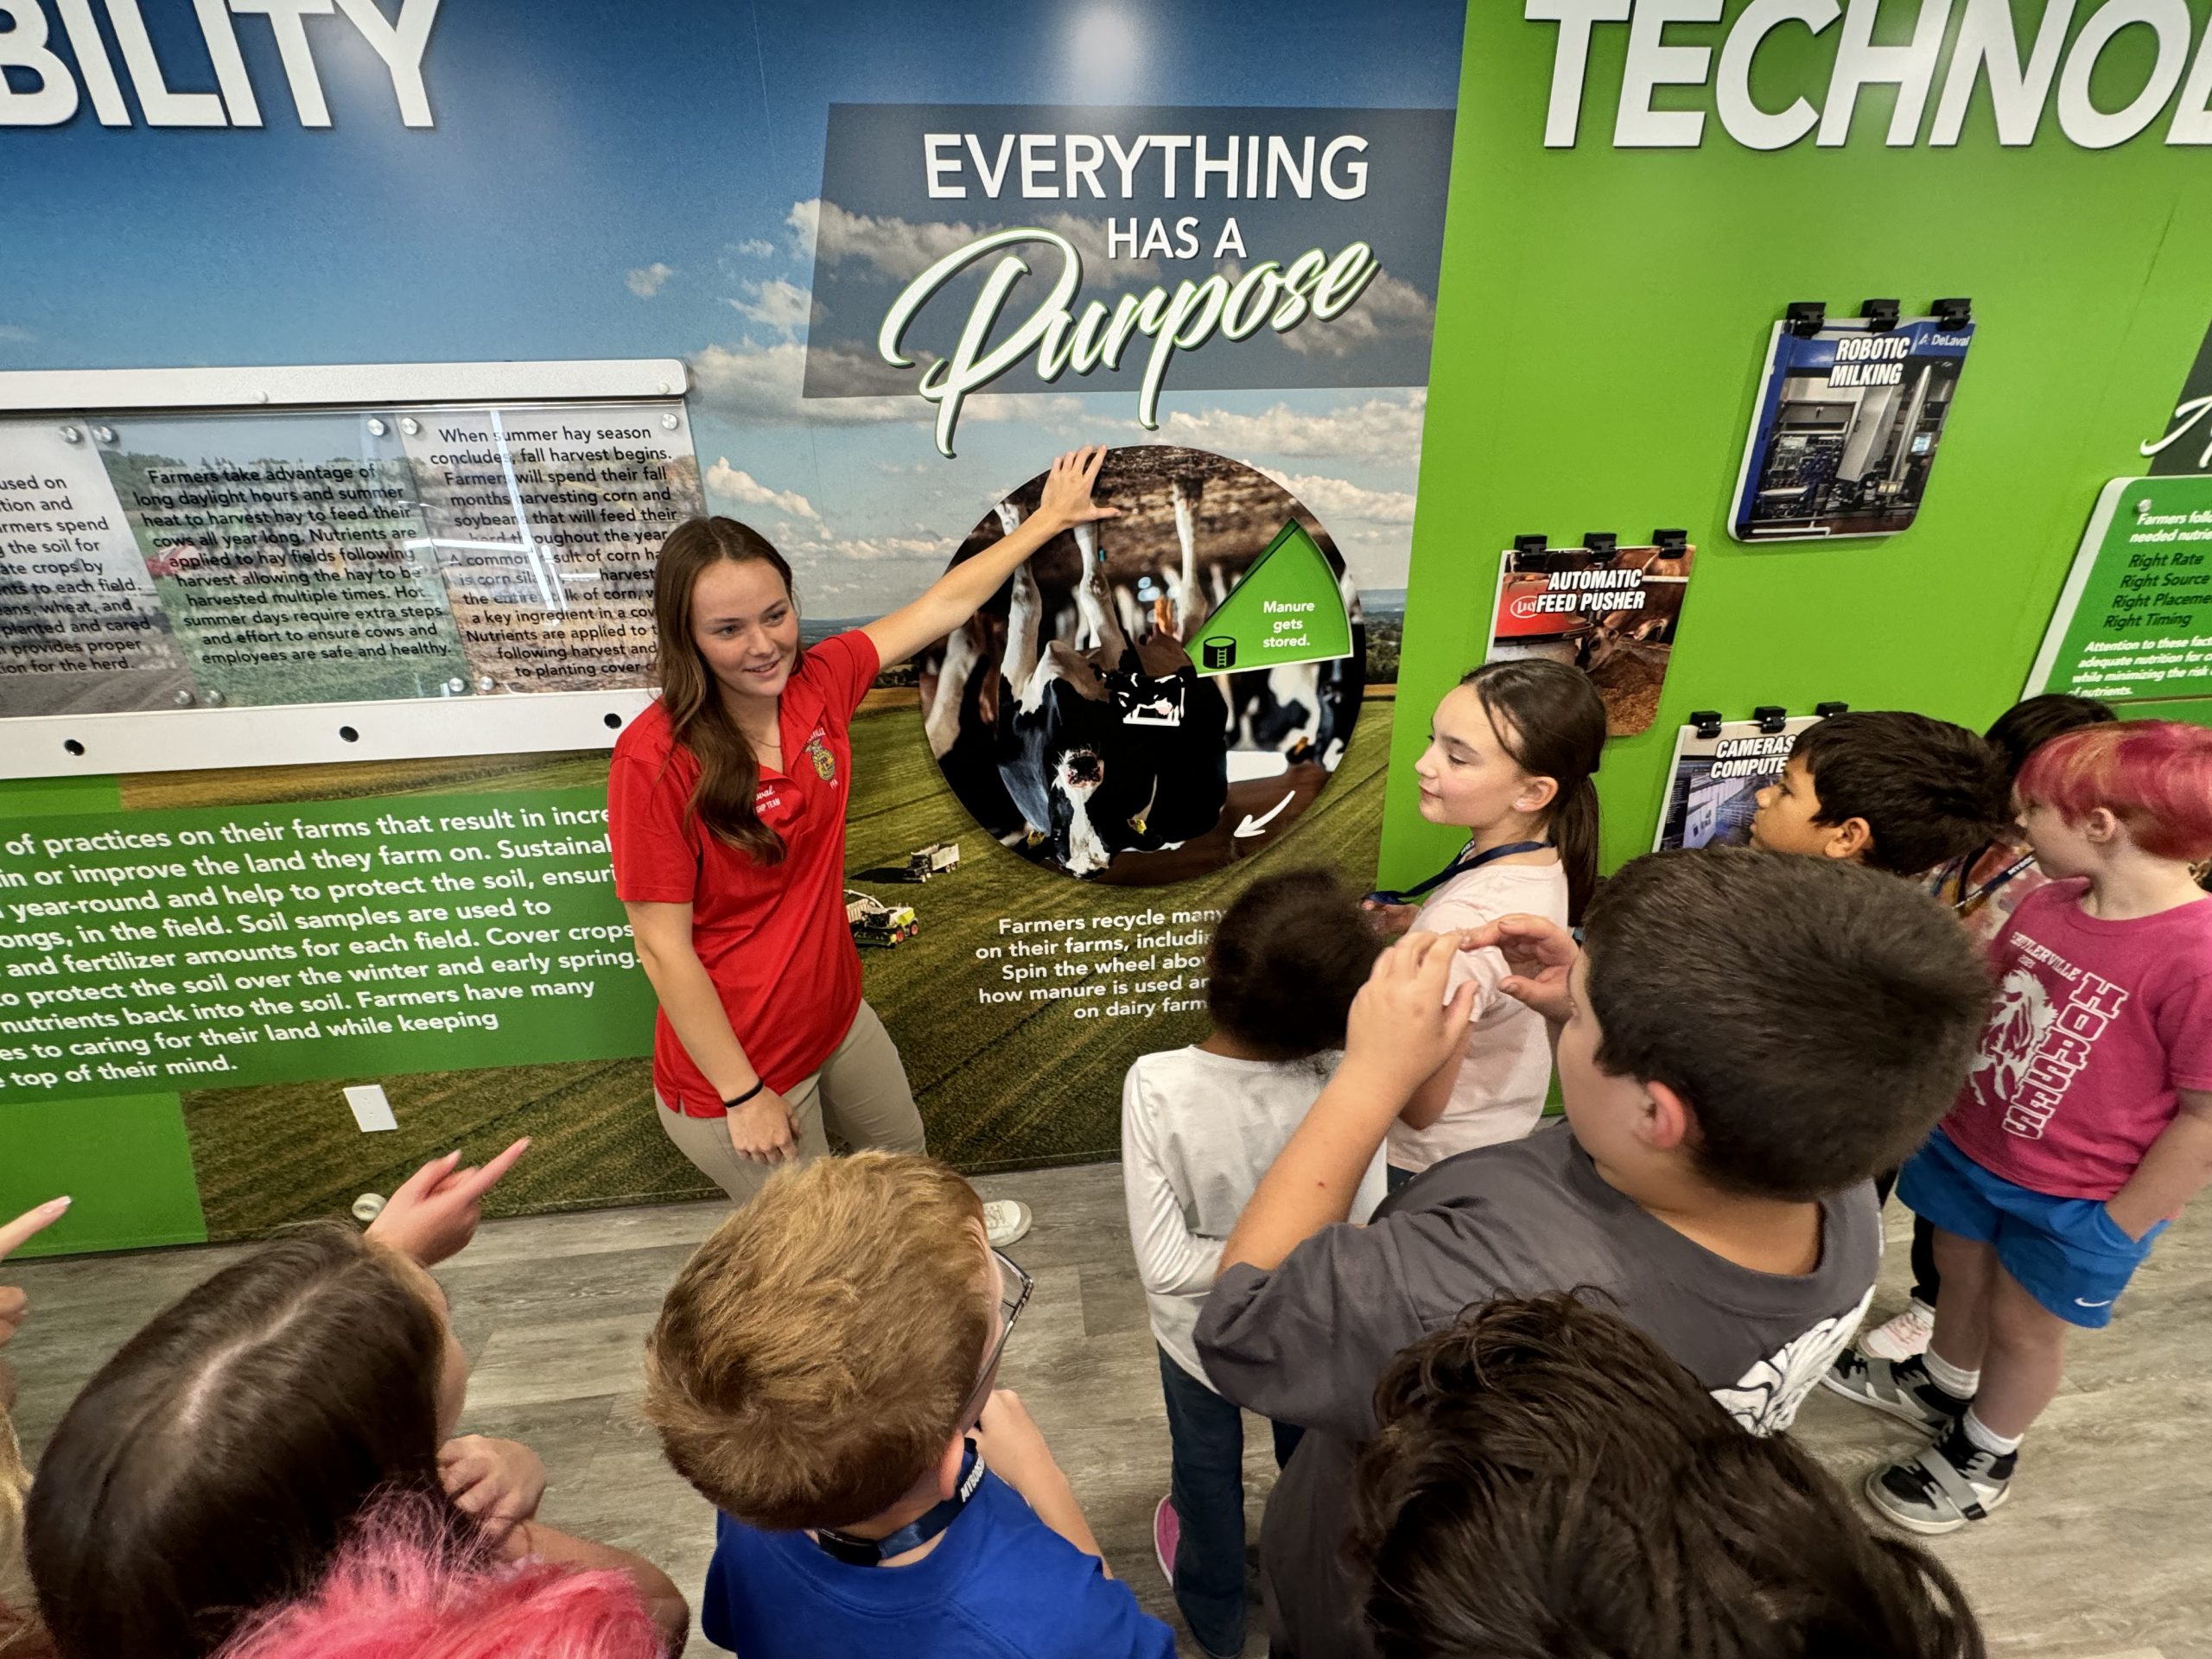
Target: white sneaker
[
  {"x": 1004, "y": 1221},
  {"x": 1904, "y": 1336}
]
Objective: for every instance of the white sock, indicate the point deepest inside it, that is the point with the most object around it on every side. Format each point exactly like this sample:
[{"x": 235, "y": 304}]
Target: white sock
[
  {"x": 1980, "y": 1433},
  {"x": 1955, "y": 1381}
]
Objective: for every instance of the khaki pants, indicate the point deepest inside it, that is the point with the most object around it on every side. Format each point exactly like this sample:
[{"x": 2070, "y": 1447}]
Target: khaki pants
[{"x": 860, "y": 1095}]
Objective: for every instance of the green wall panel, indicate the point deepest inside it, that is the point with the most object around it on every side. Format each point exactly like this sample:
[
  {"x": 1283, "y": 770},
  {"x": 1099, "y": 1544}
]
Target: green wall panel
[{"x": 1601, "y": 328}]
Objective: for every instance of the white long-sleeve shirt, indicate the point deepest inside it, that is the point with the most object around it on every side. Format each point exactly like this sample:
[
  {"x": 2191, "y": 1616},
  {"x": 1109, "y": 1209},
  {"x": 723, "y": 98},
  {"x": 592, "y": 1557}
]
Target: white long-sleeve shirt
[{"x": 1199, "y": 1131}]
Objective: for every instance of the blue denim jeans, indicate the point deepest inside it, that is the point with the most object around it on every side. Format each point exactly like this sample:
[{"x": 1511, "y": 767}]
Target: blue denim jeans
[{"x": 1207, "y": 1484}]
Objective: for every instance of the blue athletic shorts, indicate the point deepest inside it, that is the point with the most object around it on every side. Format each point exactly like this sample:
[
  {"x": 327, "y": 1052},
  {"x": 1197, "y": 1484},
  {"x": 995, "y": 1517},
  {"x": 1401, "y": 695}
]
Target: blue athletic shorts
[{"x": 2069, "y": 1254}]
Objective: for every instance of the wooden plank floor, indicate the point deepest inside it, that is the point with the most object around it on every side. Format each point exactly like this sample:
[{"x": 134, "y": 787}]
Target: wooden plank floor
[{"x": 2104, "y": 1553}]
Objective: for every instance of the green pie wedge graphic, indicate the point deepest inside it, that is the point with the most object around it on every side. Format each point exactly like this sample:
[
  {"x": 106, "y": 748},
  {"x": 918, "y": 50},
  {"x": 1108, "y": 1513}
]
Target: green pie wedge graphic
[{"x": 1287, "y": 608}]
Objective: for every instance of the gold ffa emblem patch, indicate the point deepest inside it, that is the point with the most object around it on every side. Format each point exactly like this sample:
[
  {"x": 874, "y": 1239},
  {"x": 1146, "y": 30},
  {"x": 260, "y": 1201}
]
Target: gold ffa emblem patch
[{"x": 825, "y": 764}]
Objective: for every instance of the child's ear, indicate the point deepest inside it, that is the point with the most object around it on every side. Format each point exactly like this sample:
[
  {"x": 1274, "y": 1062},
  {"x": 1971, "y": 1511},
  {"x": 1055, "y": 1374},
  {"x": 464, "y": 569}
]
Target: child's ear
[
  {"x": 1669, "y": 1122},
  {"x": 2101, "y": 827},
  {"x": 1537, "y": 794},
  {"x": 948, "y": 1467},
  {"x": 1852, "y": 839}
]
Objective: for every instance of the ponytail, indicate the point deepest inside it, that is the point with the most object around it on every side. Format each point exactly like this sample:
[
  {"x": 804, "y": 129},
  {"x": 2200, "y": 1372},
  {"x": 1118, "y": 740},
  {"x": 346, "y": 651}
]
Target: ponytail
[{"x": 1552, "y": 721}]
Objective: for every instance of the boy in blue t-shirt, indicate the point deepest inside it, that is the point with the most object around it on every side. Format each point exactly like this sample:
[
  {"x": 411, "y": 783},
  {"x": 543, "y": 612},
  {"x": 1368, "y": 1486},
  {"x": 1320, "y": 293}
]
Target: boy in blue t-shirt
[{"x": 823, "y": 1372}]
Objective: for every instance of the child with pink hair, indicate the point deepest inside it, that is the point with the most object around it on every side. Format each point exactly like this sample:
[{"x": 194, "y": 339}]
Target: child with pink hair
[
  {"x": 403, "y": 1588},
  {"x": 2085, "y": 1124}
]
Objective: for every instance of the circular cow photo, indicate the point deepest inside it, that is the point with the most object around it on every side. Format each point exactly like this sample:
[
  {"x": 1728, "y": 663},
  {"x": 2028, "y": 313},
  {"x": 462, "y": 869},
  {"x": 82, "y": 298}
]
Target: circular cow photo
[{"x": 1156, "y": 695}]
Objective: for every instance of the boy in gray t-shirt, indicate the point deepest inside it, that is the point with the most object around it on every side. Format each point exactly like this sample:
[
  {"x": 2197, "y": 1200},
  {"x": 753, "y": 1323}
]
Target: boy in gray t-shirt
[{"x": 1744, "y": 1040}]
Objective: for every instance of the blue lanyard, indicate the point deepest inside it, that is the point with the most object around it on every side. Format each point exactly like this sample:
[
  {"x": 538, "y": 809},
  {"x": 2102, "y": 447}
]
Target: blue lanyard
[
  {"x": 1459, "y": 865},
  {"x": 874, "y": 1552}
]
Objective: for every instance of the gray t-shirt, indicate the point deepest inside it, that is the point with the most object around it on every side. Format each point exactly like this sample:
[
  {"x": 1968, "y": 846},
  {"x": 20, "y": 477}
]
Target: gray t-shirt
[{"x": 1307, "y": 1342}]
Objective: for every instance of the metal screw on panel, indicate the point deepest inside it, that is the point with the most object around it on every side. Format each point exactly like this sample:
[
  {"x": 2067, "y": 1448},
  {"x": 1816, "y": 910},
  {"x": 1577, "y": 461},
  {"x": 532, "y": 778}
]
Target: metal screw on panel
[
  {"x": 668, "y": 423},
  {"x": 484, "y": 682},
  {"x": 214, "y": 697},
  {"x": 411, "y": 426},
  {"x": 457, "y": 683},
  {"x": 376, "y": 427},
  {"x": 184, "y": 699},
  {"x": 105, "y": 433},
  {"x": 71, "y": 434},
  {"x": 2144, "y": 504}
]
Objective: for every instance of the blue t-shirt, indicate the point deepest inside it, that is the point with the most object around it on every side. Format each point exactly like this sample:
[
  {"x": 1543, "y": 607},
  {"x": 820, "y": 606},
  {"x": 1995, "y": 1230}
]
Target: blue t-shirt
[{"x": 999, "y": 1582}]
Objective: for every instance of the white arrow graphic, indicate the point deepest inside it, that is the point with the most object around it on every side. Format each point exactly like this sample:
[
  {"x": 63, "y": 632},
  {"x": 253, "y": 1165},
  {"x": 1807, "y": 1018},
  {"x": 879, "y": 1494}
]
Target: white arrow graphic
[{"x": 1253, "y": 826}]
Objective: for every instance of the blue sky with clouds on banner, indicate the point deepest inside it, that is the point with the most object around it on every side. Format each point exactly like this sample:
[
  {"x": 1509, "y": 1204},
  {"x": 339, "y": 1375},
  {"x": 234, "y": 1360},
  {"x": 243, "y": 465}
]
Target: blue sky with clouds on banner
[{"x": 645, "y": 180}]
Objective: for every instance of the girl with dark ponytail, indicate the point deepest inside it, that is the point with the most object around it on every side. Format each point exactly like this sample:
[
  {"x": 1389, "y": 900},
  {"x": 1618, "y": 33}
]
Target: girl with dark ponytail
[{"x": 1511, "y": 758}]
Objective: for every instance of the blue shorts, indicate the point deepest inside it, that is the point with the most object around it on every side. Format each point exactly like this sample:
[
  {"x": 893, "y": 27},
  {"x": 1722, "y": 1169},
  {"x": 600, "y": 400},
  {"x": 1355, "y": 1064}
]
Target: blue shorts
[{"x": 2069, "y": 1254}]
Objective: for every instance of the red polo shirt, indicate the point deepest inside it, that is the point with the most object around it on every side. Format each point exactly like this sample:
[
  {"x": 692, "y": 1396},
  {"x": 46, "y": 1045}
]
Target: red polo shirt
[{"x": 772, "y": 937}]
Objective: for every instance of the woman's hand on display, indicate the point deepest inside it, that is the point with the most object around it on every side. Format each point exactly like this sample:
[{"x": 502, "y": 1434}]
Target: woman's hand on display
[
  {"x": 1067, "y": 489},
  {"x": 14, "y": 1305},
  {"x": 1389, "y": 921},
  {"x": 1539, "y": 957},
  {"x": 500, "y": 1482},
  {"x": 764, "y": 1129},
  {"x": 435, "y": 1212},
  {"x": 1402, "y": 1027}
]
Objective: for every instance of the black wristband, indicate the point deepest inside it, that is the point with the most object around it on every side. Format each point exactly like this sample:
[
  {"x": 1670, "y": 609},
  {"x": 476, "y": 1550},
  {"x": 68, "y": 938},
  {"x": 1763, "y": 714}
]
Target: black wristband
[{"x": 739, "y": 1100}]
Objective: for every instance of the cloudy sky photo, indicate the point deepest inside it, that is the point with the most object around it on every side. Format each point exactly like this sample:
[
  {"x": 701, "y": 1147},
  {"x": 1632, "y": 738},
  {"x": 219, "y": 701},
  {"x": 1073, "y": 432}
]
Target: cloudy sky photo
[{"x": 621, "y": 182}]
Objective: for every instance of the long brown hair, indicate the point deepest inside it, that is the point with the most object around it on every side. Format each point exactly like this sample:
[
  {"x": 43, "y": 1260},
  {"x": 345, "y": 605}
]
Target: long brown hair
[
  {"x": 729, "y": 773},
  {"x": 223, "y": 1456},
  {"x": 1551, "y": 719}
]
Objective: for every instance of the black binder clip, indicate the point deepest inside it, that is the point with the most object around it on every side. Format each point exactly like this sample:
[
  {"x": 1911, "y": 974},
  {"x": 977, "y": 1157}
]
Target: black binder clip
[
  {"x": 1526, "y": 544},
  {"x": 1952, "y": 313},
  {"x": 1670, "y": 541},
  {"x": 1806, "y": 317},
  {"x": 1706, "y": 722},
  {"x": 1822, "y": 710},
  {"x": 1602, "y": 542},
  {"x": 1772, "y": 717},
  {"x": 1881, "y": 316}
]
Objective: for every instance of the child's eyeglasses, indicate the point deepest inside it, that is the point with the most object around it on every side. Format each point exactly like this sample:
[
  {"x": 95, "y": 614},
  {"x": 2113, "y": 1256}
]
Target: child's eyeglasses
[{"x": 1014, "y": 1288}]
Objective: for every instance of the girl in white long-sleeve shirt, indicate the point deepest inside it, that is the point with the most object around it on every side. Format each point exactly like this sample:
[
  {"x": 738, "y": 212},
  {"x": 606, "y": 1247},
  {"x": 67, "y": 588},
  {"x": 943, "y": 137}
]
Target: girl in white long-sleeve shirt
[{"x": 1199, "y": 1127}]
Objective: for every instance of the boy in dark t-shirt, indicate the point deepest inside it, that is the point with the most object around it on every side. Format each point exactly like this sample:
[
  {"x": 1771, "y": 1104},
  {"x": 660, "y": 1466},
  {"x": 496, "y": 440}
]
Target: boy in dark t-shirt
[{"x": 1744, "y": 1040}]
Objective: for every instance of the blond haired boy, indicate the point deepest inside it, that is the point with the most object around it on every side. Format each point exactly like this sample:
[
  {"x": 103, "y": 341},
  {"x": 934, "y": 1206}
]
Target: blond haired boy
[{"x": 823, "y": 1371}]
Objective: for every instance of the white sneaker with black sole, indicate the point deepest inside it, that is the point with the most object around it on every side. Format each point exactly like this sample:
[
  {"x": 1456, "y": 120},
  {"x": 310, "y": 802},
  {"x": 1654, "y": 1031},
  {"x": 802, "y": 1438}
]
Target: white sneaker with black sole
[{"x": 1951, "y": 1483}]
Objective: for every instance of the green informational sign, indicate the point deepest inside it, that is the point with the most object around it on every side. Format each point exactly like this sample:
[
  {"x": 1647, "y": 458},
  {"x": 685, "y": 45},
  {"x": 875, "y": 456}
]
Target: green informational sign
[
  {"x": 165, "y": 951},
  {"x": 2134, "y": 622},
  {"x": 1288, "y": 608}
]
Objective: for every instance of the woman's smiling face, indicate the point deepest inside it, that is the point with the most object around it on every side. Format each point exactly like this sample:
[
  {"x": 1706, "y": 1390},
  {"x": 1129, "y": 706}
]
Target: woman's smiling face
[{"x": 745, "y": 626}]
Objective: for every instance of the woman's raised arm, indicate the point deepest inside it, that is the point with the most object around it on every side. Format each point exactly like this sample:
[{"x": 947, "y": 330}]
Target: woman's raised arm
[{"x": 956, "y": 596}]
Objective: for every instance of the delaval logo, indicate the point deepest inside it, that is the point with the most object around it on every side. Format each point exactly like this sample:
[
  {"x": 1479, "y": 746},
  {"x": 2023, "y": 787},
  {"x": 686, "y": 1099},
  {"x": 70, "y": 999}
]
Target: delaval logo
[
  {"x": 1522, "y": 606},
  {"x": 35, "y": 27}
]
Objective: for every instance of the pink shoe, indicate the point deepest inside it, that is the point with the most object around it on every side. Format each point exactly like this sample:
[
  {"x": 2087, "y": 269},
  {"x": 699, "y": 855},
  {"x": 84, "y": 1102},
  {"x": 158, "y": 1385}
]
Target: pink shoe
[
  {"x": 1902, "y": 1337},
  {"x": 1166, "y": 1532}
]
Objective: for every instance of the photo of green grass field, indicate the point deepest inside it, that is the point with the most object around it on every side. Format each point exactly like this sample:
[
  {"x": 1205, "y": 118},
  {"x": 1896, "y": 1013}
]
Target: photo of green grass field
[{"x": 1001, "y": 1086}]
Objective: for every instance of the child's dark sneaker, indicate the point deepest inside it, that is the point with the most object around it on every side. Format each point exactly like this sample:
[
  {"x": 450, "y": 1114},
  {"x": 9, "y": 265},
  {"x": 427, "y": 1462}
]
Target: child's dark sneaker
[
  {"x": 1953, "y": 1481},
  {"x": 1901, "y": 1387}
]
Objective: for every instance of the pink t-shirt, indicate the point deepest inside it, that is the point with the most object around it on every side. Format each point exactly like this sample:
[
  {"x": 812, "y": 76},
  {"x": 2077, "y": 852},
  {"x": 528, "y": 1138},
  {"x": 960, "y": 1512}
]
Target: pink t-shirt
[
  {"x": 1499, "y": 1093},
  {"x": 2097, "y": 1025}
]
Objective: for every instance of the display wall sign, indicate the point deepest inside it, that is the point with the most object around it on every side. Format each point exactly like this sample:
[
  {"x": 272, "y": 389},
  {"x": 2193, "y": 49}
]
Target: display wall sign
[
  {"x": 2186, "y": 444},
  {"x": 2017, "y": 62},
  {"x": 1848, "y": 423},
  {"x": 2134, "y": 621},
  {"x": 1717, "y": 773},
  {"x": 399, "y": 569},
  {"x": 1610, "y": 611}
]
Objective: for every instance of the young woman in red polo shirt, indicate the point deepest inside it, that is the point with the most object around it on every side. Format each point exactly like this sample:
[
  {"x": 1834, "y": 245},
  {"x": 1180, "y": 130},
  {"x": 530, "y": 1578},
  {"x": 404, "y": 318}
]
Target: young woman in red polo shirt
[{"x": 726, "y": 810}]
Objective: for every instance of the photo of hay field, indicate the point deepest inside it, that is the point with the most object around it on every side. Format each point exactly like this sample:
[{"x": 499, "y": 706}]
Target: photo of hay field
[{"x": 1001, "y": 1085}]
